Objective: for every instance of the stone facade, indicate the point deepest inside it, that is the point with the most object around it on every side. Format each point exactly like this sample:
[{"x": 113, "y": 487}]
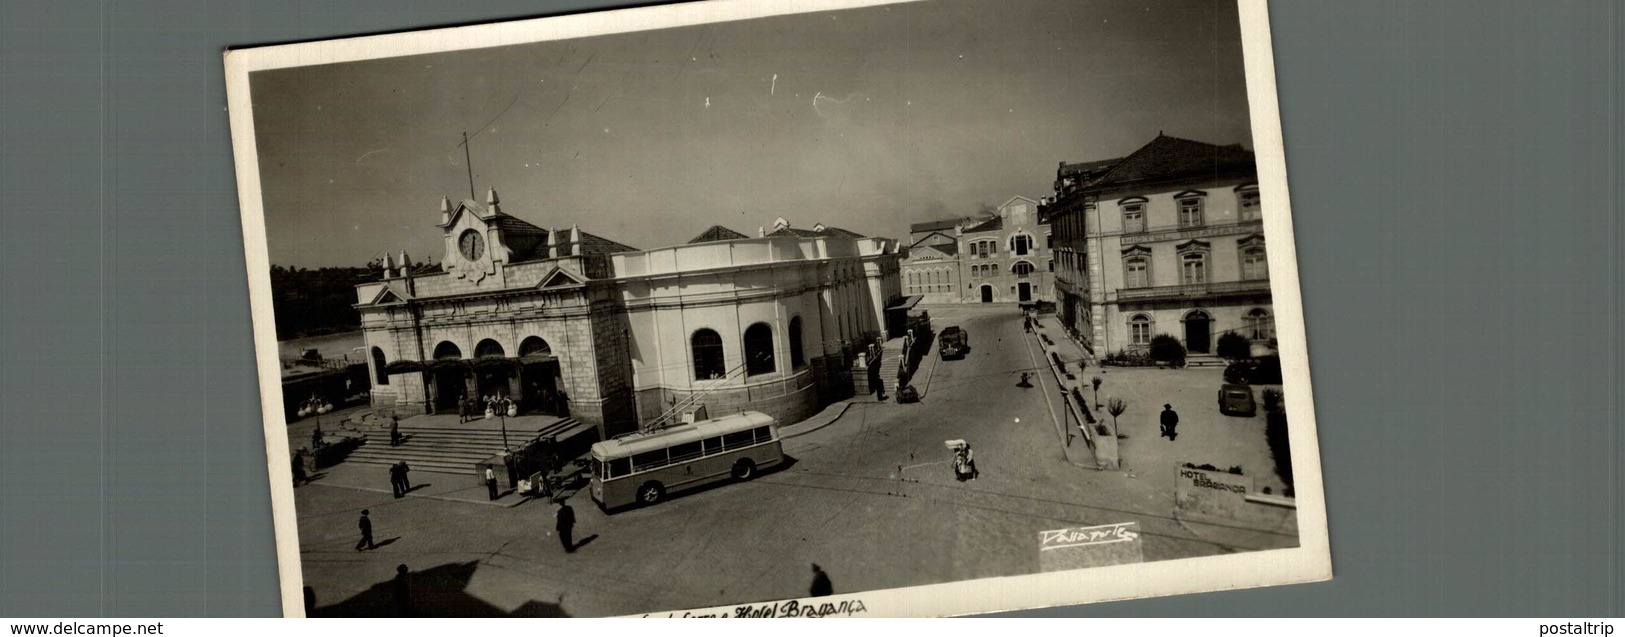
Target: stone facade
[
  {"x": 1002, "y": 258},
  {"x": 566, "y": 322},
  {"x": 1167, "y": 240}
]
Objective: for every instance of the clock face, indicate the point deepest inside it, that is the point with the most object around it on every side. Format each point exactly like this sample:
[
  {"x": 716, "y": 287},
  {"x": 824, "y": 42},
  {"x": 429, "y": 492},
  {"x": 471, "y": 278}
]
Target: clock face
[{"x": 471, "y": 244}]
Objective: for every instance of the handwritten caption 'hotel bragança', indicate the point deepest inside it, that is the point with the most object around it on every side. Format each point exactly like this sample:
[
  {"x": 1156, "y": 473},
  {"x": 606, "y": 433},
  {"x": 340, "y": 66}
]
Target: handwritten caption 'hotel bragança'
[{"x": 792, "y": 608}]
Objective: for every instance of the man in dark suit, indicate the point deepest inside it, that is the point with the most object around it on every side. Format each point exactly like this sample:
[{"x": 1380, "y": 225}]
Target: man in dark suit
[
  {"x": 395, "y": 480},
  {"x": 566, "y": 524},
  {"x": 1170, "y": 420},
  {"x": 366, "y": 532},
  {"x": 403, "y": 591},
  {"x": 406, "y": 483}
]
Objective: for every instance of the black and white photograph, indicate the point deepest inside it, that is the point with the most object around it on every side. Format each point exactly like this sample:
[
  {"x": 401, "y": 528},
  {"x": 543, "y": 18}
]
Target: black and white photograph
[{"x": 761, "y": 309}]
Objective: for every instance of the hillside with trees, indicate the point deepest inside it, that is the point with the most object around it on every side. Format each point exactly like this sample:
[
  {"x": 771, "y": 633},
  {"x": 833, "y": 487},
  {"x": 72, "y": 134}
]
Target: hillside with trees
[{"x": 314, "y": 302}]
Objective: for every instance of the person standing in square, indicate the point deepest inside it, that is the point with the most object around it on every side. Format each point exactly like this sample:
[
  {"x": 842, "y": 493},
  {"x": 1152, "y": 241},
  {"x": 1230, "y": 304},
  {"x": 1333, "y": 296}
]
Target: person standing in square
[
  {"x": 565, "y": 524},
  {"x": 366, "y": 532},
  {"x": 491, "y": 481}
]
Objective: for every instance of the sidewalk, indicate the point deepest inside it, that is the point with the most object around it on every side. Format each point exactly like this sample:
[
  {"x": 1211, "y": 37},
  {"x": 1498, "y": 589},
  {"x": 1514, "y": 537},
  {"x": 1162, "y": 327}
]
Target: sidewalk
[{"x": 1073, "y": 359}]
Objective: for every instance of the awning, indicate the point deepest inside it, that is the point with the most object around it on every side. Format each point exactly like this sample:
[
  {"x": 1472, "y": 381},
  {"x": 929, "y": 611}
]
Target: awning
[
  {"x": 446, "y": 363},
  {"x": 403, "y": 367},
  {"x": 905, "y": 303},
  {"x": 532, "y": 359},
  {"x": 489, "y": 362}
]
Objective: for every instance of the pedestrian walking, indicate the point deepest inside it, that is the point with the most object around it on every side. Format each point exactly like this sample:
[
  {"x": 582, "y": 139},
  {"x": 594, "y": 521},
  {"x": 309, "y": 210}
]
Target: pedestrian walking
[
  {"x": 462, "y": 409},
  {"x": 1170, "y": 420},
  {"x": 299, "y": 475},
  {"x": 403, "y": 591},
  {"x": 491, "y": 481},
  {"x": 394, "y": 431},
  {"x": 406, "y": 483},
  {"x": 366, "y": 532},
  {"x": 395, "y": 481},
  {"x": 565, "y": 524},
  {"x": 821, "y": 586}
]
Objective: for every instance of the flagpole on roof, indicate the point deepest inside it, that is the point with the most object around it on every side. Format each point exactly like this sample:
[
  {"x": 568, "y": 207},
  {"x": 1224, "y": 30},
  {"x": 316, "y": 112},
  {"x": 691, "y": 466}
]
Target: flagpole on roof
[{"x": 469, "y": 163}]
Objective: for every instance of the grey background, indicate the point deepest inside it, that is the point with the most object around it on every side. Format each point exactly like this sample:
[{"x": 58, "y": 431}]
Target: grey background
[{"x": 1454, "y": 170}]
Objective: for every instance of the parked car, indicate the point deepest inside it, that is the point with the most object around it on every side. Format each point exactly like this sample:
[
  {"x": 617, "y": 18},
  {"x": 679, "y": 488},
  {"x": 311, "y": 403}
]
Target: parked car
[
  {"x": 1237, "y": 400},
  {"x": 953, "y": 342}
]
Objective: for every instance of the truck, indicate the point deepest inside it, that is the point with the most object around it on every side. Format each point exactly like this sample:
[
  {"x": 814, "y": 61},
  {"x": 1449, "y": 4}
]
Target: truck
[{"x": 952, "y": 342}]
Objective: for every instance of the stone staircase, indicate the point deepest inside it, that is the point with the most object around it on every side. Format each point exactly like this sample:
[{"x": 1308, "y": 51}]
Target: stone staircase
[
  {"x": 1205, "y": 360},
  {"x": 446, "y": 449}
]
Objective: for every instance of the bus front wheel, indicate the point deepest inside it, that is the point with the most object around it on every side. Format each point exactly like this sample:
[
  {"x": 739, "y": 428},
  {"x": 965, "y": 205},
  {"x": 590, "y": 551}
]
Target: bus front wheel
[
  {"x": 744, "y": 470},
  {"x": 651, "y": 493}
]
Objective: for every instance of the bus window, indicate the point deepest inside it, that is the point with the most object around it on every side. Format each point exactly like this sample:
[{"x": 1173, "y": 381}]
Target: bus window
[
  {"x": 649, "y": 459},
  {"x": 737, "y": 439},
  {"x": 598, "y": 469},
  {"x": 763, "y": 434},
  {"x": 618, "y": 467},
  {"x": 712, "y": 445},
  {"x": 685, "y": 452}
]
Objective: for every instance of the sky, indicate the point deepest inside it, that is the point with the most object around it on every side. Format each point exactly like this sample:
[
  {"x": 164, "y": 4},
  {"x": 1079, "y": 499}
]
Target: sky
[{"x": 867, "y": 119}]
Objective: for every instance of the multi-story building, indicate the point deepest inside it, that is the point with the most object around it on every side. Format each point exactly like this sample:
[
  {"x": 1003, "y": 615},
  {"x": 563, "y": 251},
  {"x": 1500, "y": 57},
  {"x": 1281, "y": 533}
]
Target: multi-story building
[
  {"x": 767, "y": 323},
  {"x": 1002, "y": 257},
  {"x": 1007, "y": 258},
  {"x": 1167, "y": 240}
]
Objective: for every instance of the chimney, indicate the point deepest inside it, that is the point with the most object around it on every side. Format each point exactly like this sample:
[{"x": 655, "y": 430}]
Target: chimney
[
  {"x": 552, "y": 244},
  {"x": 491, "y": 200},
  {"x": 389, "y": 265},
  {"x": 406, "y": 265},
  {"x": 575, "y": 239},
  {"x": 445, "y": 210}
]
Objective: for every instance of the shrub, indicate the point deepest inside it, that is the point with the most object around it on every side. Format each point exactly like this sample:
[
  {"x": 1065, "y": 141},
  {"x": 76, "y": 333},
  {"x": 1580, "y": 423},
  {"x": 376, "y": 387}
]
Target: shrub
[
  {"x": 1235, "y": 470},
  {"x": 1101, "y": 430},
  {"x": 1280, "y": 446},
  {"x": 1167, "y": 349},
  {"x": 1268, "y": 371},
  {"x": 1273, "y": 400},
  {"x": 1233, "y": 346}
]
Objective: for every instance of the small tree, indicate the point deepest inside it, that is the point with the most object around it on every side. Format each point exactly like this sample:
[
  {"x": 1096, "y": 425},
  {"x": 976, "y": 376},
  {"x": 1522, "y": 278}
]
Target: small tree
[
  {"x": 1096, "y": 382},
  {"x": 1115, "y": 406},
  {"x": 1233, "y": 346},
  {"x": 1167, "y": 349}
]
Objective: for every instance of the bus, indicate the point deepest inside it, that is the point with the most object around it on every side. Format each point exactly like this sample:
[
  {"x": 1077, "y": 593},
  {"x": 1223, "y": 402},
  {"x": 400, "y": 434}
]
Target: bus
[{"x": 642, "y": 468}]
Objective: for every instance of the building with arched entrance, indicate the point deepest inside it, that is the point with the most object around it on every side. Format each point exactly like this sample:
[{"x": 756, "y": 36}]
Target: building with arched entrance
[
  {"x": 573, "y": 324},
  {"x": 1167, "y": 240}
]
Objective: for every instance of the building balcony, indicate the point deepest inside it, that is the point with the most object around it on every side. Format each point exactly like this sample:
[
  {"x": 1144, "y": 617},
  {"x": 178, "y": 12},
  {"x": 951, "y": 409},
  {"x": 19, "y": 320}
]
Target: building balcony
[{"x": 1194, "y": 291}]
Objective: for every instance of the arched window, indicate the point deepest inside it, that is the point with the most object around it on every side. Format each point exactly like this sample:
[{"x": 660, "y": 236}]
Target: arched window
[
  {"x": 758, "y": 349},
  {"x": 1137, "y": 272},
  {"x": 1254, "y": 263},
  {"x": 707, "y": 352},
  {"x": 1259, "y": 325},
  {"x": 447, "y": 350},
  {"x": 378, "y": 362},
  {"x": 1139, "y": 330},
  {"x": 797, "y": 357},
  {"x": 488, "y": 349},
  {"x": 1022, "y": 269},
  {"x": 534, "y": 346}
]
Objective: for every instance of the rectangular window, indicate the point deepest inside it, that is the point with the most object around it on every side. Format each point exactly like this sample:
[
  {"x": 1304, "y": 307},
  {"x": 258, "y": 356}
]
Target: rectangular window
[
  {"x": 1051, "y": 264},
  {"x": 1249, "y": 205},
  {"x": 618, "y": 467},
  {"x": 763, "y": 434},
  {"x": 737, "y": 439},
  {"x": 1190, "y": 212},
  {"x": 1134, "y": 218},
  {"x": 685, "y": 452},
  {"x": 649, "y": 460},
  {"x": 1195, "y": 269},
  {"x": 712, "y": 445},
  {"x": 1136, "y": 273}
]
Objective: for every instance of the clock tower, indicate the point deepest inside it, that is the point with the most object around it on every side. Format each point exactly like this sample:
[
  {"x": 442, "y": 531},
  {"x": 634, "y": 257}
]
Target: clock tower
[{"x": 474, "y": 244}]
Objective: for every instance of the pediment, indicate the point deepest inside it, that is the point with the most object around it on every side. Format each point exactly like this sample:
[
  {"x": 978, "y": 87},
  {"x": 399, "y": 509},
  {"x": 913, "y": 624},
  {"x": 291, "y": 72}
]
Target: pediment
[
  {"x": 386, "y": 296},
  {"x": 560, "y": 278}
]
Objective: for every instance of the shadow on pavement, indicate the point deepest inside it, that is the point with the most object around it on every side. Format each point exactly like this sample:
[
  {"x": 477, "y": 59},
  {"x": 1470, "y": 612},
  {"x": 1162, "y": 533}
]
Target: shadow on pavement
[{"x": 436, "y": 592}]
